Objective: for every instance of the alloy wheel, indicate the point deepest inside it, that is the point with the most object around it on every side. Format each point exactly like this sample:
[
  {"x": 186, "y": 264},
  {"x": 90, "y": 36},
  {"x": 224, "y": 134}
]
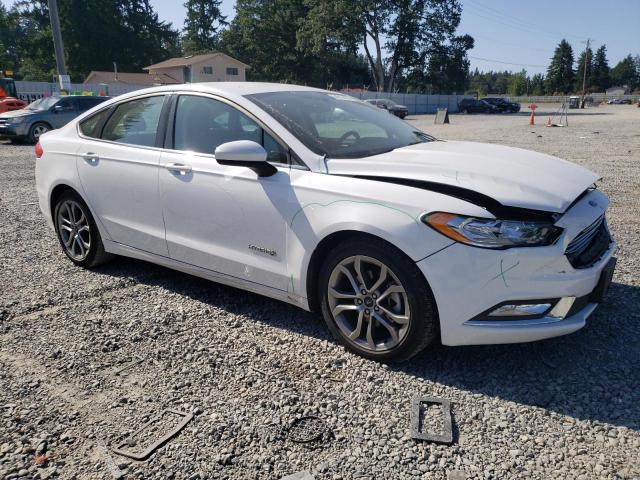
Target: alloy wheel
[
  {"x": 74, "y": 229},
  {"x": 39, "y": 130},
  {"x": 368, "y": 303}
]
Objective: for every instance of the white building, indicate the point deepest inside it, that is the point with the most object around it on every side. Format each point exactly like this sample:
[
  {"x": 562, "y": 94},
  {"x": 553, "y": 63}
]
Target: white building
[{"x": 211, "y": 67}]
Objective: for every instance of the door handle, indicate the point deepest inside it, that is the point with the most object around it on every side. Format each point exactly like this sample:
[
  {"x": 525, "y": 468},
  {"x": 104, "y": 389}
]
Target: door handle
[
  {"x": 181, "y": 168},
  {"x": 91, "y": 157}
]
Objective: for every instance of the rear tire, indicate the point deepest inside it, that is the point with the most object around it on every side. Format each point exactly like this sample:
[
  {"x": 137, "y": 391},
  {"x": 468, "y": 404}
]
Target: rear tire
[
  {"x": 376, "y": 301},
  {"x": 77, "y": 231}
]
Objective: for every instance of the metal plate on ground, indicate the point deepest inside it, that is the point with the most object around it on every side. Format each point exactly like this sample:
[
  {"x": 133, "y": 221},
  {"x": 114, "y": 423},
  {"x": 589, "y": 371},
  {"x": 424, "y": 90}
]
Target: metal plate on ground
[
  {"x": 444, "y": 431},
  {"x": 178, "y": 422},
  {"x": 307, "y": 429}
]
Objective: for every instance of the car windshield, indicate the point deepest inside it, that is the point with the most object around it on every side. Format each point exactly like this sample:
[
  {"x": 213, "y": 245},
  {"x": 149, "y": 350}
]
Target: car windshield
[
  {"x": 337, "y": 125},
  {"x": 43, "y": 104}
]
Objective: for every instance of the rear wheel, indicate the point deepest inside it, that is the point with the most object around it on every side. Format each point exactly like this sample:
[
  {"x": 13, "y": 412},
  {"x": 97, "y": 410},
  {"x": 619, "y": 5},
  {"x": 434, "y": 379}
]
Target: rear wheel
[
  {"x": 36, "y": 130},
  {"x": 376, "y": 302},
  {"x": 77, "y": 232}
]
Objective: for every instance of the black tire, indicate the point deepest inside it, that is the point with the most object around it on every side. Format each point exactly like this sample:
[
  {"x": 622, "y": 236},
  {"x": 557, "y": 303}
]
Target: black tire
[
  {"x": 423, "y": 326},
  {"x": 38, "y": 129},
  {"x": 95, "y": 254},
  {"x": 465, "y": 111}
]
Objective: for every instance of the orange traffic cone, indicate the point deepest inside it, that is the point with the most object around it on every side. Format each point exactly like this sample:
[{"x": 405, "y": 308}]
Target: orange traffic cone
[{"x": 531, "y": 119}]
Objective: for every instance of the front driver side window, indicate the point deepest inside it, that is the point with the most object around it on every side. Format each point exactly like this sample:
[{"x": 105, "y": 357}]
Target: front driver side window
[
  {"x": 66, "y": 105},
  {"x": 135, "y": 122},
  {"x": 202, "y": 124}
]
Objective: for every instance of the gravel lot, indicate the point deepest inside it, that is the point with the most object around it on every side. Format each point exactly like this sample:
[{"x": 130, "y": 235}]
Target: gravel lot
[{"x": 246, "y": 366}]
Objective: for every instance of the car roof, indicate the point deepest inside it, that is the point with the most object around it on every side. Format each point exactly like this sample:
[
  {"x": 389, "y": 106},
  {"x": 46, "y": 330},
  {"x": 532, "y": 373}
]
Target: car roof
[
  {"x": 226, "y": 89},
  {"x": 235, "y": 88}
]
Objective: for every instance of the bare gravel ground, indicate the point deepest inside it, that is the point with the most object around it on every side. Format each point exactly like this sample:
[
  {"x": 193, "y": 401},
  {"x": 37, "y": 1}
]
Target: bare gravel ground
[{"x": 246, "y": 367}]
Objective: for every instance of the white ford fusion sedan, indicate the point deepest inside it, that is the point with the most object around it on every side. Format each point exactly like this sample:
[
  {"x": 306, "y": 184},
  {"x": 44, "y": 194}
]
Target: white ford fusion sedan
[{"x": 325, "y": 202}]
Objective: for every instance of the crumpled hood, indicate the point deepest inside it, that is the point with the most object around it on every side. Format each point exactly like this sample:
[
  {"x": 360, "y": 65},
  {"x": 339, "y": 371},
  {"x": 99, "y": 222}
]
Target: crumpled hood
[{"x": 512, "y": 176}]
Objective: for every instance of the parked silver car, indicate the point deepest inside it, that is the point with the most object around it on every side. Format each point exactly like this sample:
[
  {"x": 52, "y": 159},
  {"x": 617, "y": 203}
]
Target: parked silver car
[{"x": 43, "y": 115}]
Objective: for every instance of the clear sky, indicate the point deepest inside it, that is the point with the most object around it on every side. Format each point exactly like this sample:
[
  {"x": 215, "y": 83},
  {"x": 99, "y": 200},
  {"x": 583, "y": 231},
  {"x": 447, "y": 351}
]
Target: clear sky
[{"x": 521, "y": 33}]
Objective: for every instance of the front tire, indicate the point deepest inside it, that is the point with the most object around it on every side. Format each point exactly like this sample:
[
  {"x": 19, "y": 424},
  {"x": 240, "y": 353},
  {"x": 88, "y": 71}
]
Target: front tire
[
  {"x": 77, "y": 231},
  {"x": 36, "y": 130},
  {"x": 376, "y": 302}
]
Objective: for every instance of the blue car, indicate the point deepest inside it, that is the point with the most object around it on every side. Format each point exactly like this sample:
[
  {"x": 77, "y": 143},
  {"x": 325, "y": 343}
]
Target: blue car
[{"x": 43, "y": 115}]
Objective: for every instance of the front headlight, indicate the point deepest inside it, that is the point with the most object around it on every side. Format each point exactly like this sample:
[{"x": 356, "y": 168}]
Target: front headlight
[
  {"x": 492, "y": 233},
  {"x": 15, "y": 120}
]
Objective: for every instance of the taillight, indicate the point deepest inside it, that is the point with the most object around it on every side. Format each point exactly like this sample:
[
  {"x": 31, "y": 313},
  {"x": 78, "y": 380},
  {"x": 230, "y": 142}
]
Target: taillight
[{"x": 39, "y": 150}]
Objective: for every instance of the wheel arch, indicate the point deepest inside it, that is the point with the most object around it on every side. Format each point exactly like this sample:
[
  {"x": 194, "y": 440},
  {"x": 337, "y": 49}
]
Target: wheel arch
[
  {"x": 39, "y": 122},
  {"x": 323, "y": 247},
  {"x": 56, "y": 193},
  {"x": 58, "y": 190}
]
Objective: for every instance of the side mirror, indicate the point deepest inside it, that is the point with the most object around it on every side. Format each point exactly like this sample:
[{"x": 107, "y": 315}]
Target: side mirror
[
  {"x": 58, "y": 108},
  {"x": 245, "y": 153}
]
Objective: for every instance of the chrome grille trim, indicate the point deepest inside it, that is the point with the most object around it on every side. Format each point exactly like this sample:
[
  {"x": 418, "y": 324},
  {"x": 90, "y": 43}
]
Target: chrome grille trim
[{"x": 583, "y": 239}]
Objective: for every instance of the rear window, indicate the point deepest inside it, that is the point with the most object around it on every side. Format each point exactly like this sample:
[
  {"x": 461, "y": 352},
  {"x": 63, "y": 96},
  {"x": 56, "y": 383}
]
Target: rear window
[
  {"x": 135, "y": 122},
  {"x": 92, "y": 126}
]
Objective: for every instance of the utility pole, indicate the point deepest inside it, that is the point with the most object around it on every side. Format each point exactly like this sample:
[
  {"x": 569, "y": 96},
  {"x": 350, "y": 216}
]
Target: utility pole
[
  {"x": 584, "y": 73},
  {"x": 57, "y": 43}
]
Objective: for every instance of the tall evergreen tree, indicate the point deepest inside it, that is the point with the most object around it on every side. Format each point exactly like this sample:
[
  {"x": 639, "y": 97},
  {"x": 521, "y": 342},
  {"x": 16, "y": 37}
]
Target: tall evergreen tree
[
  {"x": 34, "y": 44},
  {"x": 626, "y": 73},
  {"x": 202, "y": 27},
  {"x": 96, "y": 33},
  {"x": 560, "y": 74},
  {"x": 269, "y": 35},
  {"x": 536, "y": 84},
  {"x": 600, "y": 75},
  {"x": 585, "y": 57},
  {"x": 8, "y": 38}
]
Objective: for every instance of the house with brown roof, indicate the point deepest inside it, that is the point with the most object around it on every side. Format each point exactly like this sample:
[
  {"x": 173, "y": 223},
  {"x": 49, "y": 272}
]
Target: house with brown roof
[
  {"x": 143, "y": 79},
  {"x": 210, "y": 67}
]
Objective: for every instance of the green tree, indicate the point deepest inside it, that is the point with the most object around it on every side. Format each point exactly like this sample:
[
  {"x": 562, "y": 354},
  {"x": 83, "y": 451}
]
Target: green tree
[
  {"x": 202, "y": 26},
  {"x": 96, "y": 33},
  {"x": 447, "y": 69},
  {"x": 600, "y": 75},
  {"x": 271, "y": 36},
  {"x": 560, "y": 74},
  {"x": 518, "y": 83},
  {"x": 34, "y": 44},
  {"x": 626, "y": 73},
  {"x": 586, "y": 57},
  {"x": 537, "y": 84},
  {"x": 396, "y": 35},
  {"x": 8, "y": 39}
]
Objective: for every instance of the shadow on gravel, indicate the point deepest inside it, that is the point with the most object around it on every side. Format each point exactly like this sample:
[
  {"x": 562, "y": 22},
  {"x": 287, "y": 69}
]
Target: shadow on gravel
[{"x": 592, "y": 374}]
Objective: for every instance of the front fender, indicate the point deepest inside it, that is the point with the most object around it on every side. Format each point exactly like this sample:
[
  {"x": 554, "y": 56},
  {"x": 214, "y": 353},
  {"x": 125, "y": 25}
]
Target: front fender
[{"x": 393, "y": 214}]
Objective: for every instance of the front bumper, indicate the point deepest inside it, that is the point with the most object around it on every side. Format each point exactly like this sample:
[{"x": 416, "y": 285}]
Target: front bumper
[
  {"x": 14, "y": 130},
  {"x": 467, "y": 281}
]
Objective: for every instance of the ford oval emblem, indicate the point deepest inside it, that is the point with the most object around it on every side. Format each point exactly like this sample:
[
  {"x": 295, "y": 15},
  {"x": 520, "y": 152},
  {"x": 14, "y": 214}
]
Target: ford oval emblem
[{"x": 593, "y": 203}]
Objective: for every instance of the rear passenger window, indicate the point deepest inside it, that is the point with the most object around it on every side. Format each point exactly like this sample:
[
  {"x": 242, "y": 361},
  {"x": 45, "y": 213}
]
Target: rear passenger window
[
  {"x": 202, "y": 124},
  {"x": 135, "y": 122},
  {"x": 91, "y": 126}
]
